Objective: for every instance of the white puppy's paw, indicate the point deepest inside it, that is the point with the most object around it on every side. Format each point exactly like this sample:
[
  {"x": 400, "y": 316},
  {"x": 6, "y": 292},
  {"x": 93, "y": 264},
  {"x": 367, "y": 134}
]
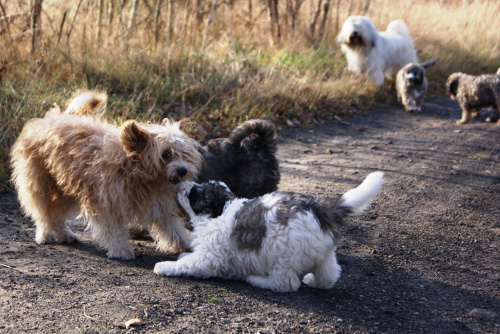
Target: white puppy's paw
[
  {"x": 166, "y": 268},
  {"x": 309, "y": 280}
]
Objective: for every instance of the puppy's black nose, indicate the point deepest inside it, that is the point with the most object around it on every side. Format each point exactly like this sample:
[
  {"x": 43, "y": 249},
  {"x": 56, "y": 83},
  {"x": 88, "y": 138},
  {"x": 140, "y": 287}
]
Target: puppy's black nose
[
  {"x": 355, "y": 33},
  {"x": 182, "y": 171}
]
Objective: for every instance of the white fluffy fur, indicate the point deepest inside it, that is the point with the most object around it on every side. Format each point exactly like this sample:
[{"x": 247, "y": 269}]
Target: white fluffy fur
[
  {"x": 380, "y": 53},
  {"x": 361, "y": 197},
  {"x": 287, "y": 250}
]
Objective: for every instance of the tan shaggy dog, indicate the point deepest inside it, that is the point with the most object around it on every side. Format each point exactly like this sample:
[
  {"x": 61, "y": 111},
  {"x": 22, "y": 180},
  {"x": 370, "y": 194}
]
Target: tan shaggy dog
[{"x": 120, "y": 177}]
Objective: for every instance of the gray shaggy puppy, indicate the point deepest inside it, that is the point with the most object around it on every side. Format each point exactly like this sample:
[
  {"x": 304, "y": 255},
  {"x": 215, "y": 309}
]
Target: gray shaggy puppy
[
  {"x": 474, "y": 93},
  {"x": 411, "y": 85},
  {"x": 246, "y": 161}
]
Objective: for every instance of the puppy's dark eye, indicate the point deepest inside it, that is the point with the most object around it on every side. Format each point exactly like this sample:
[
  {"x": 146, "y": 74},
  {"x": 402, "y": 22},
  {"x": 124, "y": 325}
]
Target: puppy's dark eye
[{"x": 166, "y": 155}]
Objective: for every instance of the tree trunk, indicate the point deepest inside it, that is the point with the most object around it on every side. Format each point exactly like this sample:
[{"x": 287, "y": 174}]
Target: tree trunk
[
  {"x": 209, "y": 20},
  {"x": 35, "y": 22},
  {"x": 249, "y": 11},
  {"x": 111, "y": 16},
  {"x": 157, "y": 21},
  {"x": 72, "y": 22},
  {"x": 12, "y": 45},
  {"x": 275, "y": 27},
  {"x": 171, "y": 19},
  {"x": 100, "y": 12},
  {"x": 326, "y": 9},
  {"x": 312, "y": 26},
  {"x": 131, "y": 23},
  {"x": 293, "y": 9}
]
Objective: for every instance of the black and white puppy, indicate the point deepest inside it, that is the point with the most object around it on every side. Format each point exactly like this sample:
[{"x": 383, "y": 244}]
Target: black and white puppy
[
  {"x": 246, "y": 161},
  {"x": 267, "y": 241},
  {"x": 411, "y": 85}
]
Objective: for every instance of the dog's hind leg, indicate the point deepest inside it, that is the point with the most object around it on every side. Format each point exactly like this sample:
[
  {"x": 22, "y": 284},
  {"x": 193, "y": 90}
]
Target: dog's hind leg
[
  {"x": 325, "y": 274},
  {"x": 42, "y": 200},
  {"x": 277, "y": 281},
  {"x": 51, "y": 223}
]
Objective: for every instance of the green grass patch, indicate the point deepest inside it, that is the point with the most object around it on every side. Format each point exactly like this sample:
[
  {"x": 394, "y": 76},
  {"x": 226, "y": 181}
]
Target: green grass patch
[{"x": 215, "y": 300}]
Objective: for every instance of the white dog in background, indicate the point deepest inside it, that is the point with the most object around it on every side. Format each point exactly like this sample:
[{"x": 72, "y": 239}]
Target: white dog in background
[
  {"x": 267, "y": 241},
  {"x": 376, "y": 54}
]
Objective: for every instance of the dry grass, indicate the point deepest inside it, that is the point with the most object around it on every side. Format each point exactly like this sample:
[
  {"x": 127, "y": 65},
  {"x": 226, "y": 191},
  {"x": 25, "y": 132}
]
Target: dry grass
[{"x": 241, "y": 72}]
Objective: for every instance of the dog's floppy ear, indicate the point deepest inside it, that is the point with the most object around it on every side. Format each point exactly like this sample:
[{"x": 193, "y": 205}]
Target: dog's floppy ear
[
  {"x": 133, "y": 138},
  {"x": 370, "y": 33},
  {"x": 452, "y": 84}
]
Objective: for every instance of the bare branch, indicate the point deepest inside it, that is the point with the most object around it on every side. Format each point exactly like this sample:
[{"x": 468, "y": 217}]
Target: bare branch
[
  {"x": 7, "y": 27},
  {"x": 209, "y": 20},
  {"x": 326, "y": 9},
  {"x": 72, "y": 22},
  {"x": 131, "y": 23},
  {"x": 157, "y": 20},
  {"x": 312, "y": 26},
  {"x": 100, "y": 12},
  {"x": 36, "y": 21}
]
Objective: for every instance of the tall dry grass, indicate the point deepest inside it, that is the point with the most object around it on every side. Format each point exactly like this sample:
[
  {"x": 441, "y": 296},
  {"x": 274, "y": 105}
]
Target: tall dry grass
[{"x": 225, "y": 72}]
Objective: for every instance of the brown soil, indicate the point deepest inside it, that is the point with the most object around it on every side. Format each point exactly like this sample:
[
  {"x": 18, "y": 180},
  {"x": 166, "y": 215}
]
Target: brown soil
[{"x": 423, "y": 259}]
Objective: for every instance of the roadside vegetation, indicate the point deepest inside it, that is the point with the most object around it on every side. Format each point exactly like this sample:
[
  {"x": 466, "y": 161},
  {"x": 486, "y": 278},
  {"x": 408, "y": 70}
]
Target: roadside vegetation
[{"x": 218, "y": 62}]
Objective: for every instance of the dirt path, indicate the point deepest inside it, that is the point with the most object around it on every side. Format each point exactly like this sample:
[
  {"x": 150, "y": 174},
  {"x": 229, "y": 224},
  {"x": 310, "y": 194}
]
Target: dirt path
[{"x": 424, "y": 258}]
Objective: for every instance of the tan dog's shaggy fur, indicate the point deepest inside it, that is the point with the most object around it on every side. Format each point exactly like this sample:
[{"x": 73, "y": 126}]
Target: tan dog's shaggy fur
[{"x": 120, "y": 177}]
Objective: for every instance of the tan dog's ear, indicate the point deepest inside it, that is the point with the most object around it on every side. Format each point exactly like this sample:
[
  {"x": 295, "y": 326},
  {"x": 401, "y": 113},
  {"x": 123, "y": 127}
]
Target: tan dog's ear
[{"x": 133, "y": 138}]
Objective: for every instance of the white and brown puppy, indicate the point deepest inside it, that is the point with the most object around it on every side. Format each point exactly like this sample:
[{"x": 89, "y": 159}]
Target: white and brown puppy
[
  {"x": 119, "y": 177},
  {"x": 376, "y": 54},
  {"x": 411, "y": 85},
  {"x": 267, "y": 241},
  {"x": 474, "y": 93}
]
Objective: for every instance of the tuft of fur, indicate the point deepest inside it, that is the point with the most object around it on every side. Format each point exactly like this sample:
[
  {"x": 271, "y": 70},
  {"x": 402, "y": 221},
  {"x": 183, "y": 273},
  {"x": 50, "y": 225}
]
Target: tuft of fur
[
  {"x": 87, "y": 103},
  {"x": 246, "y": 161},
  {"x": 474, "y": 93},
  {"x": 376, "y": 54},
  {"x": 119, "y": 177},
  {"x": 411, "y": 84},
  {"x": 267, "y": 241}
]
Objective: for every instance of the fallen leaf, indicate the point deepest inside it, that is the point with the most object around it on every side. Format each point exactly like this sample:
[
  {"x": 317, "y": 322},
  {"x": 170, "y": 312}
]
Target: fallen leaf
[{"x": 133, "y": 323}]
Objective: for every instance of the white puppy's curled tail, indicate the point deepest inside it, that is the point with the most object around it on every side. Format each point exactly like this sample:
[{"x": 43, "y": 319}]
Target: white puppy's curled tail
[
  {"x": 398, "y": 27},
  {"x": 358, "y": 199},
  {"x": 331, "y": 212}
]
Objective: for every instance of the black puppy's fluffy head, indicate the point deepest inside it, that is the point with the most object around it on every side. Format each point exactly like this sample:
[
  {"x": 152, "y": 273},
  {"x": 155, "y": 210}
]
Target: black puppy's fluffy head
[
  {"x": 209, "y": 198},
  {"x": 246, "y": 161}
]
